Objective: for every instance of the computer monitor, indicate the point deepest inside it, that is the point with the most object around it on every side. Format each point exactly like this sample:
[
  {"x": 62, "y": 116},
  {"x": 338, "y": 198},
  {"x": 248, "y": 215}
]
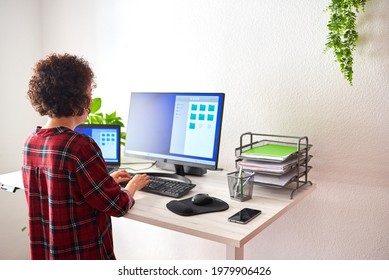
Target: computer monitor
[{"x": 180, "y": 131}]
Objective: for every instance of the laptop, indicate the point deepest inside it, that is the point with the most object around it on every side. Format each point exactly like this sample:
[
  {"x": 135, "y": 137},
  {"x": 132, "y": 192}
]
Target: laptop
[{"x": 107, "y": 137}]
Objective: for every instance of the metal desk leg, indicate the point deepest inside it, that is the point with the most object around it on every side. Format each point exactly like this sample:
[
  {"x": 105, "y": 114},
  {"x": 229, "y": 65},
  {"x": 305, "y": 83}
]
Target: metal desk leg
[{"x": 234, "y": 253}]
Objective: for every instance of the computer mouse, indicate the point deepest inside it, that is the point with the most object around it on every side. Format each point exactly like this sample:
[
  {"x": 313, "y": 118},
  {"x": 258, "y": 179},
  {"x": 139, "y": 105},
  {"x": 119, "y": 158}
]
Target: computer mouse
[{"x": 201, "y": 199}]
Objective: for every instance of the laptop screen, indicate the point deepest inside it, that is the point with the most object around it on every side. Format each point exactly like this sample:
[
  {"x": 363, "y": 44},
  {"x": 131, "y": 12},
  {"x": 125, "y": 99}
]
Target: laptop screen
[{"x": 107, "y": 136}]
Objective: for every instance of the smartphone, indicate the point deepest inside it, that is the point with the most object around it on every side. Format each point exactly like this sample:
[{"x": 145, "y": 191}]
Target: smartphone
[{"x": 244, "y": 216}]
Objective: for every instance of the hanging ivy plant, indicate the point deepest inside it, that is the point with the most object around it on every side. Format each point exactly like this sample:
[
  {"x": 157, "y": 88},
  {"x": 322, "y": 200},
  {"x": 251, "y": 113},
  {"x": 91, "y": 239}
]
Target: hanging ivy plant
[{"x": 343, "y": 37}]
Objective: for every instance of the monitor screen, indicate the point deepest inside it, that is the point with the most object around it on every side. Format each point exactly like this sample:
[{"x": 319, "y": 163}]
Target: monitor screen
[
  {"x": 183, "y": 129},
  {"x": 107, "y": 137}
]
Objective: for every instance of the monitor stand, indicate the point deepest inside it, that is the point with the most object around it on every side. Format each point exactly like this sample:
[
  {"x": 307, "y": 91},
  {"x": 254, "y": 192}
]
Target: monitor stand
[{"x": 182, "y": 170}]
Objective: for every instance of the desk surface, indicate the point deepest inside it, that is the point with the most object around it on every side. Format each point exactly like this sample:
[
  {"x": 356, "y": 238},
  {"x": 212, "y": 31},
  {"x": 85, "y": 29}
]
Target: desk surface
[
  {"x": 151, "y": 209},
  {"x": 11, "y": 181}
]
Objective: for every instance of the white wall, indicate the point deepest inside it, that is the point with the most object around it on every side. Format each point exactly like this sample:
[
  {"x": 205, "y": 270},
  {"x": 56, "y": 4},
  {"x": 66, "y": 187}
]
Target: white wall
[
  {"x": 267, "y": 56},
  {"x": 20, "y": 47}
]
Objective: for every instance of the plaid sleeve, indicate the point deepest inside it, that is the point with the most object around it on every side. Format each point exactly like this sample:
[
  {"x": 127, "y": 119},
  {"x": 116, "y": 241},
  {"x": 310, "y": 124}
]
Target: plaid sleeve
[{"x": 98, "y": 188}]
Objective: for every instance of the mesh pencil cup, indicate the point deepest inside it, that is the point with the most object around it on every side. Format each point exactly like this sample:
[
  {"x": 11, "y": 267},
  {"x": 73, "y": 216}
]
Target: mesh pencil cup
[{"x": 240, "y": 185}]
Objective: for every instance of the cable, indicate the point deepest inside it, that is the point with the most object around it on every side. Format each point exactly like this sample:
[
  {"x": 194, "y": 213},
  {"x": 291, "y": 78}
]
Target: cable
[{"x": 133, "y": 169}]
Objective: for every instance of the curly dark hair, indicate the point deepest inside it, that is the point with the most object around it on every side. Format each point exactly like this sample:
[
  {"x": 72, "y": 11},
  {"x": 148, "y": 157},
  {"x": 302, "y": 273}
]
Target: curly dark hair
[{"x": 61, "y": 86}]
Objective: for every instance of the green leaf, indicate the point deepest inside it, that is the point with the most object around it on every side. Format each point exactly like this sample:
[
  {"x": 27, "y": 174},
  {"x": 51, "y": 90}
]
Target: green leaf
[
  {"x": 95, "y": 119},
  {"x": 111, "y": 118},
  {"x": 123, "y": 137},
  {"x": 96, "y": 105}
]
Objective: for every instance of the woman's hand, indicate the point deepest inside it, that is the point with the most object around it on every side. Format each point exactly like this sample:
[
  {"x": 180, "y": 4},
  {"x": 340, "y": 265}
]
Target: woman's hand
[
  {"x": 138, "y": 182},
  {"x": 121, "y": 176}
]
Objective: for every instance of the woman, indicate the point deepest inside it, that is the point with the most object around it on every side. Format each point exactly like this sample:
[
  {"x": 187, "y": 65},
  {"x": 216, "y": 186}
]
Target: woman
[{"x": 70, "y": 195}]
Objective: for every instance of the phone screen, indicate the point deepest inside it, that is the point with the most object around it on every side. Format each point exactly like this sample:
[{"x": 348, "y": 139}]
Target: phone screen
[{"x": 245, "y": 215}]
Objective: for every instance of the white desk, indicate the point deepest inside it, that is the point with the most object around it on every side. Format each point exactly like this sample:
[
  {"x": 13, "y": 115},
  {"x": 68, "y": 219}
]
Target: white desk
[
  {"x": 151, "y": 209},
  {"x": 11, "y": 181}
]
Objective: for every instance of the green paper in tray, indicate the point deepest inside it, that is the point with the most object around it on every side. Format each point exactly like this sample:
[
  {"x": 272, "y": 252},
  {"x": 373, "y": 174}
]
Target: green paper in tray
[{"x": 272, "y": 150}]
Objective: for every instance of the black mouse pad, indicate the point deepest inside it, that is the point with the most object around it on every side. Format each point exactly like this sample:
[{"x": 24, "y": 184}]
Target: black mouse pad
[{"x": 186, "y": 207}]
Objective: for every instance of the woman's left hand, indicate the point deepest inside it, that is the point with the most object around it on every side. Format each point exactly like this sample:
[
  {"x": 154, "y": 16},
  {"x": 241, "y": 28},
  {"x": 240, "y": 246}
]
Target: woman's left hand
[{"x": 121, "y": 176}]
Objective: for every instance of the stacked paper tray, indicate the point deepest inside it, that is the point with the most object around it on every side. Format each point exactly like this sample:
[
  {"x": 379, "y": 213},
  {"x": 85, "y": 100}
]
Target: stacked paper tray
[
  {"x": 267, "y": 150},
  {"x": 272, "y": 168},
  {"x": 280, "y": 181},
  {"x": 274, "y": 163}
]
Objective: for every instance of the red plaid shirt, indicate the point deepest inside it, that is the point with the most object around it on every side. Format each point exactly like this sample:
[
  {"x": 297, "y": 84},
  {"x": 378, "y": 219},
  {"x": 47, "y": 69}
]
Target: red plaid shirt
[{"x": 70, "y": 196}]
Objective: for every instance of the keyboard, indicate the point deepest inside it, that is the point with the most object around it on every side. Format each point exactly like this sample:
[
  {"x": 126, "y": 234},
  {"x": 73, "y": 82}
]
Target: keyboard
[{"x": 166, "y": 187}]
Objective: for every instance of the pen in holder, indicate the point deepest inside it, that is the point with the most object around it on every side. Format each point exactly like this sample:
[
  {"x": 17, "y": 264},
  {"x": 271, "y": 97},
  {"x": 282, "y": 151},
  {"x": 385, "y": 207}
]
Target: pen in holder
[{"x": 240, "y": 185}]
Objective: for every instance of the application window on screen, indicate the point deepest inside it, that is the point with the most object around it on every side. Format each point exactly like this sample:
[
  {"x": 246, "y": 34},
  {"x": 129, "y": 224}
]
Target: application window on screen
[
  {"x": 196, "y": 119},
  {"x": 107, "y": 143}
]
